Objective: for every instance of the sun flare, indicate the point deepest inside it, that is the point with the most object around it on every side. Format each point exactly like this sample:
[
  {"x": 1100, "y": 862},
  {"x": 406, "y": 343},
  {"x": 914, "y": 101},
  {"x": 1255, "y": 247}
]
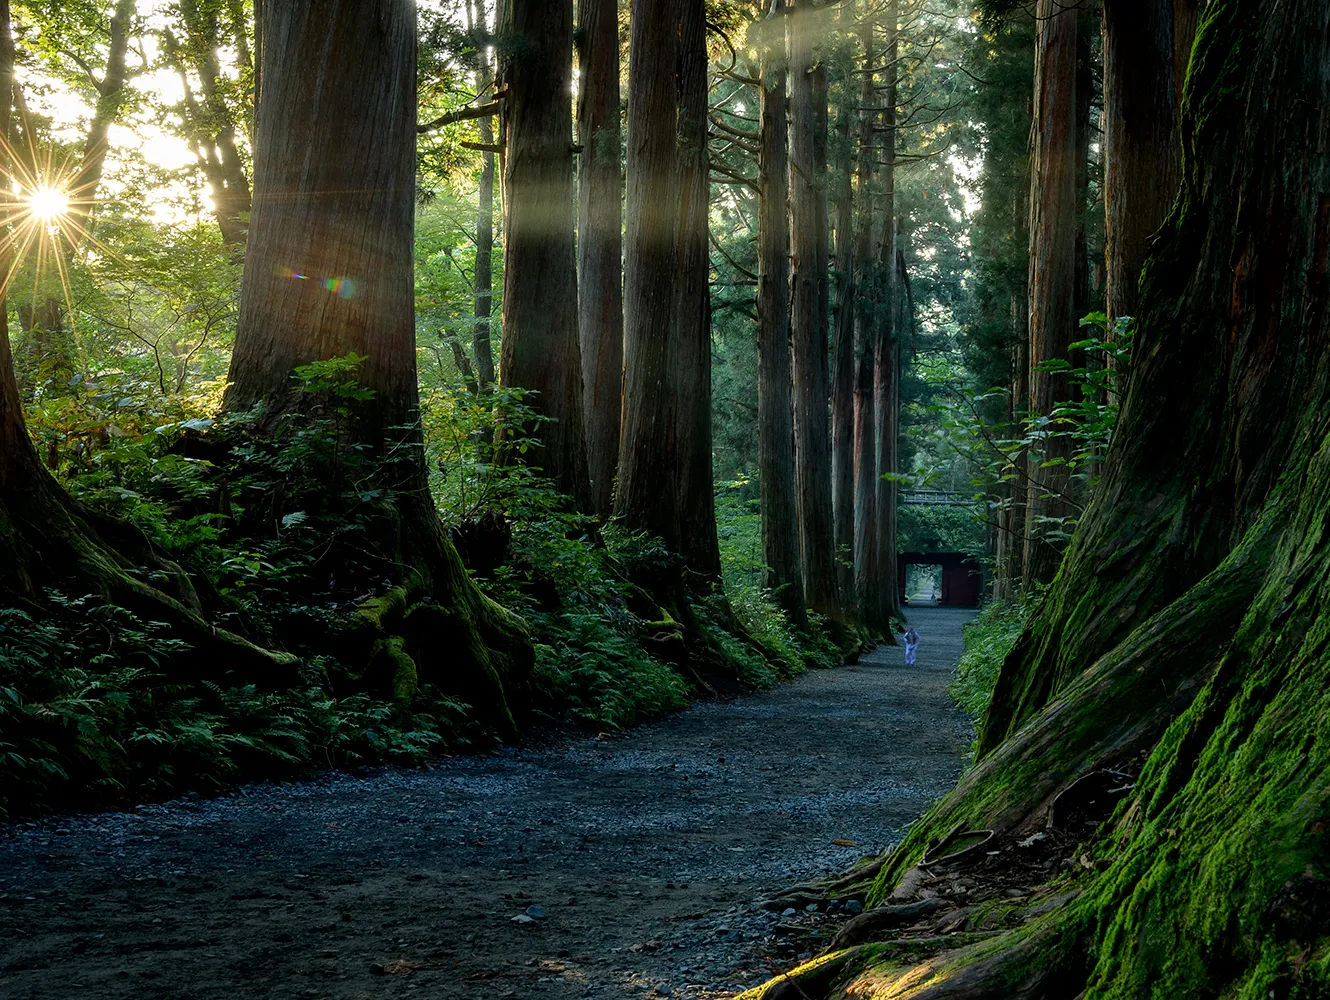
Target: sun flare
[{"x": 48, "y": 204}]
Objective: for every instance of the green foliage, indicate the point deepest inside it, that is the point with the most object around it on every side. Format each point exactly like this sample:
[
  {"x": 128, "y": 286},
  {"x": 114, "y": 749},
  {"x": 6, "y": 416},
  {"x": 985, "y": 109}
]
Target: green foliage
[
  {"x": 739, "y": 528},
  {"x": 940, "y": 528},
  {"x": 988, "y": 640},
  {"x": 1006, "y": 453},
  {"x": 595, "y": 674},
  {"x": 90, "y": 715}
]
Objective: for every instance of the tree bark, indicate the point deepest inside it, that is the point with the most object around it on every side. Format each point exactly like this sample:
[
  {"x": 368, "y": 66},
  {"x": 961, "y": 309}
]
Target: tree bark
[
  {"x": 843, "y": 360},
  {"x": 1142, "y": 150},
  {"x": 808, "y": 334},
  {"x": 649, "y": 448},
  {"x": 333, "y": 211},
  {"x": 541, "y": 350},
  {"x": 1053, "y": 272},
  {"x": 886, "y": 350},
  {"x": 775, "y": 427},
  {"x": 483, "y": 283},
  {"x": 665, "y": 475},
  {"x": 600, "y": 242},
  {"x": 867, "y": 574},
  {"x": 697, "y": 496}
]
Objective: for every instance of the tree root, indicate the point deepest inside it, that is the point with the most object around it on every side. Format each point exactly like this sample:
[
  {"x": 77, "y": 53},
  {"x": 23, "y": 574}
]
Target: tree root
[{"x": 50, "y": 541}]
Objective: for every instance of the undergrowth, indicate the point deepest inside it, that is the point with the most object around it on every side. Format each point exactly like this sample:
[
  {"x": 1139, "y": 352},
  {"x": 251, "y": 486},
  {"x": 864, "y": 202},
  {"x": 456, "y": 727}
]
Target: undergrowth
[
  {"x": 90, "y": 714},
  {"x": 988, "y": 640}
]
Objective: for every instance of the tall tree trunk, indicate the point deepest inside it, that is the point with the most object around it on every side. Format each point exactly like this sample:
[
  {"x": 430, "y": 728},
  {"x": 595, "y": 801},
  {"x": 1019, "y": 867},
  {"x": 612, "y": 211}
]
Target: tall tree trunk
[
  {"x": 483, "y": 283},
  {"x": 1142, "y": 149},
  {"x": 334, "y": 188},
  {"x": 600, "y": 242},
  {"x": 665, "y": 476},
  {"x": 867, "y": 575},
  {"x": 1053, "y": 320},
  {"x": 842, "y": 380},
  {"x": 329, "y": 273},
  {"x": 775, "y": 427},
  {"x": 1013, "y": 566},
  {"x": 843, "y": 358},
  {"x": 650, "y": 454},
  {"x": 808, "y": 334},
  {"x": 697, "y": 496},
  {"x": 886, "y": 351},
  {"x": 541, "y": 351}
]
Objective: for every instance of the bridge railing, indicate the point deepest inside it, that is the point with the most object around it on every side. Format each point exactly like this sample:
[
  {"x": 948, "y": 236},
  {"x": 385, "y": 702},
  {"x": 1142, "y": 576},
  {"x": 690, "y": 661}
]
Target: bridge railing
[{"x": 942, "y": 498}]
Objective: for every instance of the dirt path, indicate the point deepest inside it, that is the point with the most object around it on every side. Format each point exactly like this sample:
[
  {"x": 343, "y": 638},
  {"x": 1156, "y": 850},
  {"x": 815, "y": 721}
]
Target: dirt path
[{"x": 643, "y": 852}]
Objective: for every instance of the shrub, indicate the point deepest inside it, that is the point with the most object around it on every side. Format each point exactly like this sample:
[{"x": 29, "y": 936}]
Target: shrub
[{"x": 988, "y": 640}]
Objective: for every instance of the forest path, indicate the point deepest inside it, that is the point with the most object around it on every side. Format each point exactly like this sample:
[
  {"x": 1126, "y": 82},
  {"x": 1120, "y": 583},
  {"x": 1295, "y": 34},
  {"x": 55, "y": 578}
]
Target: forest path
[{"x": 644, "y": 850}]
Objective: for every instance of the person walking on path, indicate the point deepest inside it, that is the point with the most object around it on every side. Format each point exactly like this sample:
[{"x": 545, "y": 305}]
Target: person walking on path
[{"x": 911, "y": 638}]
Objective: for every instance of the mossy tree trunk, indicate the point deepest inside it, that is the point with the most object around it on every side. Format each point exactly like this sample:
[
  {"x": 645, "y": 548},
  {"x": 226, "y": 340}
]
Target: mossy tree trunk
[
  {"x": 1188, "y": 625},
  {"x": 328, "y": 273}
]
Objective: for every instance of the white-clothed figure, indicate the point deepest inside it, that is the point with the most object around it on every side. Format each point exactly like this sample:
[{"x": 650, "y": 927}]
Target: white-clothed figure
[{"x": 911, "y": 638}]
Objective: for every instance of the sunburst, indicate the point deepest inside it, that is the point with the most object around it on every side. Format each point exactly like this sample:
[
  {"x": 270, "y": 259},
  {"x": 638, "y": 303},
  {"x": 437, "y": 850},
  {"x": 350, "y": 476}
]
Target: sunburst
[
  {"x": 48, "y": 214},
  {"x": 48, "y": 205}
]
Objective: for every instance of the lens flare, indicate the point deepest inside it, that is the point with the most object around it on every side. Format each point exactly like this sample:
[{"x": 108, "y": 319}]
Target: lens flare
[
  {"x": 48, "y": 205},
  {"x": 46, "y": 217}
]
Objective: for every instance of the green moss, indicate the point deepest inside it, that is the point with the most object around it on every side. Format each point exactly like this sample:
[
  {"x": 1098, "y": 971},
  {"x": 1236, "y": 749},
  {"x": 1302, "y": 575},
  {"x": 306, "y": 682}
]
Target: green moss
[{"x": 402, "y": 670}]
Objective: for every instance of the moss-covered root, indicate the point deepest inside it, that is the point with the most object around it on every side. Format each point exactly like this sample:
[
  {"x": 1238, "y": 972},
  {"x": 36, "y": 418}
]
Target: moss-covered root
[
  {"x": 436, "y": 627},
  {"x": 48, "y": 540},
  {"x": 464, "y": 648},
  {"x": 1028, "y": 964},
  {"x": 1024, "y": 964},
  {"x": 854, "y": 883},
  {"x": 811, "y": 981}
]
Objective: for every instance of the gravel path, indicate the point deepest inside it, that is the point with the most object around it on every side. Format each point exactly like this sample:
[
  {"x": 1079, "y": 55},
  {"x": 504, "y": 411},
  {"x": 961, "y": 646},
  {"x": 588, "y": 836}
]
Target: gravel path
[{"x": 638, "y": 855}]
